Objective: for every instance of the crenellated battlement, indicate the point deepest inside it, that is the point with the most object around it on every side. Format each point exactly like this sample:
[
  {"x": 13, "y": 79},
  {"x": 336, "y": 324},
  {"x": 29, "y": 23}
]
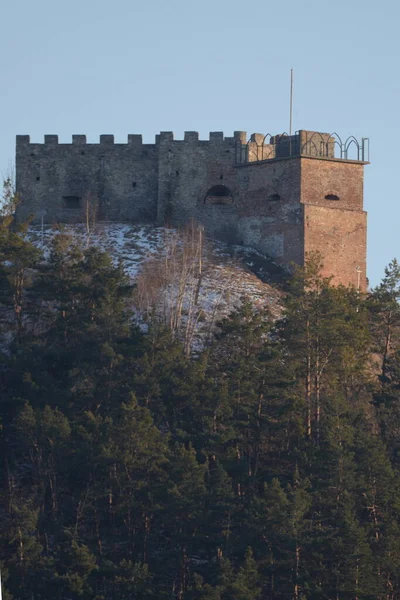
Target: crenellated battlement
[
  {"x": 193, "y": 137},
  {"x": 78, "y": 139},
  {"x": 133, "y": 138},
  {"x": 258, "y": 147}
]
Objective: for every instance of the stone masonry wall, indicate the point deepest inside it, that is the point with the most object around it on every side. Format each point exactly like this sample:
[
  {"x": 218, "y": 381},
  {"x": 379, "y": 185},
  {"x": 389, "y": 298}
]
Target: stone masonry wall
[
  {"x": 270, "y": 214},
  {"x": 265, "y": 214},
  {"x": 187, "y": 170},
  {"x": 123, "y": 178}
]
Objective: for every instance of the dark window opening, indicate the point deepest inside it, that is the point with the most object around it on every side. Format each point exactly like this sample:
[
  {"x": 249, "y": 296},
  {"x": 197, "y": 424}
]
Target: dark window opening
[
  {"x": 274, "y": 198},
  {"x": 32, "y": 154},
  {"x": 218, "y": 194},
  {"x": 134, "y": 184},
  {"x": 37, "y": 178},
  {"x": 332, "y": 197},
  {"x": 176, "y": 173},
  {"x": 82, "y": 152},
  {"x": 221, "y": 176},
  {"x": 72, "y": 202}
]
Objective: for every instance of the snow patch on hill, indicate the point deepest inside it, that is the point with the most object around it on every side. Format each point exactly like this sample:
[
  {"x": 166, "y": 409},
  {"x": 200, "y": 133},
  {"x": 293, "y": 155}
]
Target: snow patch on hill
[{"x": 227, "y": 273}]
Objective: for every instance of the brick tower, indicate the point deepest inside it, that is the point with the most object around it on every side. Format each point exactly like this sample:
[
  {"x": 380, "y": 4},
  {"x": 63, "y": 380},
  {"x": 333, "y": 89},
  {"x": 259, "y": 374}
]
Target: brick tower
[{"x": 314, "y": 183}]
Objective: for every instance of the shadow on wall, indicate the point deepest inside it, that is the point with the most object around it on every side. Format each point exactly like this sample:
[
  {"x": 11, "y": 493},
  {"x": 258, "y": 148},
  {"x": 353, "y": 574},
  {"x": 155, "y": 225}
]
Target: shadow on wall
[{"x": 228, "y": 234}]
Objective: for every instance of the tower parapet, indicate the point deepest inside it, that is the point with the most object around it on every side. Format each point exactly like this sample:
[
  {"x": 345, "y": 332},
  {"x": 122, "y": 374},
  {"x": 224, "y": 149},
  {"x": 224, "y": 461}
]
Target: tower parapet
[{"x": 303, "y": 143}]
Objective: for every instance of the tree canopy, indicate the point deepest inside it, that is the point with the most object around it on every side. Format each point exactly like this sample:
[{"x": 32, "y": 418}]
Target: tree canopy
[{"x": 265, "y": 466}]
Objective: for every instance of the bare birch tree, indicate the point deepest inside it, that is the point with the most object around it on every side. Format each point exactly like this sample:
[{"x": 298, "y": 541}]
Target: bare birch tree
[
  {"x": 90, "y": 206},
  {"x": 170, "y": 282}
]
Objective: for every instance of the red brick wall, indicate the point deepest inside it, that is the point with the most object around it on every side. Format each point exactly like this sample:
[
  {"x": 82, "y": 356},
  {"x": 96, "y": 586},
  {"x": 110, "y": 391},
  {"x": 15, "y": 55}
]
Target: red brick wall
[
  {"x": 340, "y": 236},
  {"x": 322, "y": 177},
  {"x": 303, "y": 220}
]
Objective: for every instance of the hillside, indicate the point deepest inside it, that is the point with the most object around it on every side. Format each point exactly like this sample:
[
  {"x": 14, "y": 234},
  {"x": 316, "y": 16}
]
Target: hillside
[{"x": 229, "y": 275}]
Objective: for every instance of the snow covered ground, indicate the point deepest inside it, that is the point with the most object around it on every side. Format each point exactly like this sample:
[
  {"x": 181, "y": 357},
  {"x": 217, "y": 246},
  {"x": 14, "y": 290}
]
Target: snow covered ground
[{"x": 226, "y": 279}]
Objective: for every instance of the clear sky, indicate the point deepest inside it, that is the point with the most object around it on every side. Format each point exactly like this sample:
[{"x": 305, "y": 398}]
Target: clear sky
[{"x": 141, "y": 66}]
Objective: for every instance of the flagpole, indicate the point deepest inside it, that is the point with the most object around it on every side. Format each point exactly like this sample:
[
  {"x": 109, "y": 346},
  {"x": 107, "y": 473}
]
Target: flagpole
[{"x": 291, "y": 104}]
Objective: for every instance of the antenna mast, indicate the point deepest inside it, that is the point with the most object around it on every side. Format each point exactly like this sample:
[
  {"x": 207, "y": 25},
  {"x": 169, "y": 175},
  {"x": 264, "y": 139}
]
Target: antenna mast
[{"x": 291, "y": 102}]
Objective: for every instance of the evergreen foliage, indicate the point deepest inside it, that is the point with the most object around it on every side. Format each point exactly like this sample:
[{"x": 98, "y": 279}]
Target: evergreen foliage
[{"x": 264, "y": 467}]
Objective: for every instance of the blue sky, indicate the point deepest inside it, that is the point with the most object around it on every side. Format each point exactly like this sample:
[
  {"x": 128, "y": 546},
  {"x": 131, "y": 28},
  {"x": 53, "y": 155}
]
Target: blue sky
[{"x": 129, "y": 66}]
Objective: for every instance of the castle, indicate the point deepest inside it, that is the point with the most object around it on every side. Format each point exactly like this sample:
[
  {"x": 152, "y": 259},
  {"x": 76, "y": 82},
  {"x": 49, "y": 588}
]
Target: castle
[{"x": 284, "y": 195}]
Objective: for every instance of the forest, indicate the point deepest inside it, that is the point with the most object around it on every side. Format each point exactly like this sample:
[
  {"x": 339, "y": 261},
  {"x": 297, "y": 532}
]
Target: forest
[{"x": 265, "y": 466}]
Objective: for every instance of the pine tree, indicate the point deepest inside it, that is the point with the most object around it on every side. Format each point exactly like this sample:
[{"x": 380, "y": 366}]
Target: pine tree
[
  {"x": 18, "y": 258},
  {"x": 385, "y": 325},
  {"x": 385, "y": 312},
  {"x": 246, "y": 585},
  {"x": 77, "y": 358},
  {"x": 325, "y": 329}
]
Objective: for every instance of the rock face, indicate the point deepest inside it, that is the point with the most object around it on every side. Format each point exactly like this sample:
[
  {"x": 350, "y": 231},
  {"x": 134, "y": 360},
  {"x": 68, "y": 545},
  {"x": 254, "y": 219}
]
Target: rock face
[{"x": 285, "y": 196}]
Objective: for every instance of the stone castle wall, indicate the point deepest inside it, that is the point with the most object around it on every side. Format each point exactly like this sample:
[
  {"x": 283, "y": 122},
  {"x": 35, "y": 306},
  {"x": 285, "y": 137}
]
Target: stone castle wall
[
  {"x": 123, "y": 178},
  {"x": 285, "y": 205}
]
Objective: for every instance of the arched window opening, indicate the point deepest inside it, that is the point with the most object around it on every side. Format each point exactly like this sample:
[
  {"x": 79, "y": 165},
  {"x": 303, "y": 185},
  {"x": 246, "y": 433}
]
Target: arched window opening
[
  {"x": 273, "y": 198},
  {"x": 332, "y": 197},
  {"x": 218, "y": 194}
]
